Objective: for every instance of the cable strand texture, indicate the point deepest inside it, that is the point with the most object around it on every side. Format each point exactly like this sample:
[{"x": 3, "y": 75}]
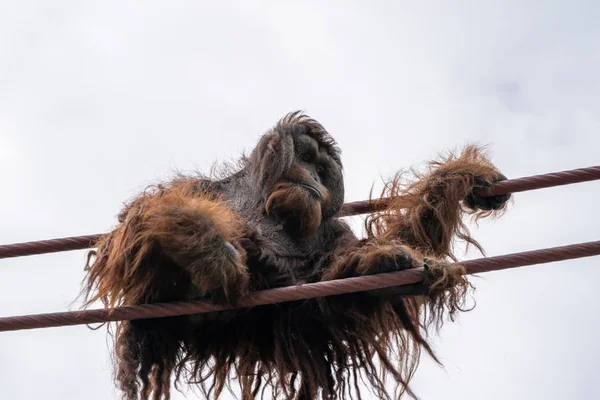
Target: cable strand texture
[
  {"x": 349, "y": 209},
  {"x": 291, "y": 293}
]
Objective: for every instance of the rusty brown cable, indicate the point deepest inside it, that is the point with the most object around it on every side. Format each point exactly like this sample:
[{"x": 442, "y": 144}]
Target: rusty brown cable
[
  {"x": 48, "y": 246},
  {"x": 349, "y": 209},
  {"x": 527, "y": 183},
  {"x": 291, "y": 293}
]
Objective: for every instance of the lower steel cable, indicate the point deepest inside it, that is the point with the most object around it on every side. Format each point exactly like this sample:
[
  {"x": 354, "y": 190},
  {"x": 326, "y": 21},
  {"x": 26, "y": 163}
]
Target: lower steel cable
[{"x": 291, "y": 293}]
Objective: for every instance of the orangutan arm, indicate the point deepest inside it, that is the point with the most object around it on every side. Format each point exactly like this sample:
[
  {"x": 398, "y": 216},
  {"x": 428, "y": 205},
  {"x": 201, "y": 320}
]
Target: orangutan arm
[
  {"x": 164, "y": 236},
  {"x": 369, "y": 257},
  {"x": 427, "y": 215},
  {"x": 420, "y": 224}
]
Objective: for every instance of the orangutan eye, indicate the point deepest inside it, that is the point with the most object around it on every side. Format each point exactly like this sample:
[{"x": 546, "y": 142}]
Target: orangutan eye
[
  {"x": 306, "y": 157},
  {"x": 320, "y": 170}
]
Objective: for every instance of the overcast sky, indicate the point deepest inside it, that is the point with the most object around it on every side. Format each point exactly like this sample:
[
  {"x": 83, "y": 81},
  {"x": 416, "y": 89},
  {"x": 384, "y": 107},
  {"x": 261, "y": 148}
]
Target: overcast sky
[{"x": 98, "y": 99}]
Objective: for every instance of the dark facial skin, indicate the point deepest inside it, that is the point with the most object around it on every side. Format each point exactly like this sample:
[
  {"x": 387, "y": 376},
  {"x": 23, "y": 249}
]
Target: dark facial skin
[
  {"x": 321, "y": 169},
  {"x": 301, "y": 198},
  {"x": 313, "y": 159}
]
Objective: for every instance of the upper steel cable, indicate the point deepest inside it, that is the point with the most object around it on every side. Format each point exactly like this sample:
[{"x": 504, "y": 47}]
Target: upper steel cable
[{"x": 353, "y": 208}]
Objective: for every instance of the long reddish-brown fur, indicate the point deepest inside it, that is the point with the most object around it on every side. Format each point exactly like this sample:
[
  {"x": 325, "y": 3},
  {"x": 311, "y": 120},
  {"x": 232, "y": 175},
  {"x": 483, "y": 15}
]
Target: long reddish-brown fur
[{"x": 195, "y": 237}]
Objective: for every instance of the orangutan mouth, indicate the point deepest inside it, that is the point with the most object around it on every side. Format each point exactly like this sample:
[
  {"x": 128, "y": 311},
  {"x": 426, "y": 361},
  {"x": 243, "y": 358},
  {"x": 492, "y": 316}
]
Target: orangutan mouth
[{"x": 313, "y": 190}]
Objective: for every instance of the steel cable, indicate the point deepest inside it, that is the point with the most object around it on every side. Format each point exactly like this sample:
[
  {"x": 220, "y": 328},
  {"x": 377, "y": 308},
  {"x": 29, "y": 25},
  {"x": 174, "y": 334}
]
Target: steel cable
[
  {"x": 349, "y": 209},
  {"x": 291, "y": 293}
]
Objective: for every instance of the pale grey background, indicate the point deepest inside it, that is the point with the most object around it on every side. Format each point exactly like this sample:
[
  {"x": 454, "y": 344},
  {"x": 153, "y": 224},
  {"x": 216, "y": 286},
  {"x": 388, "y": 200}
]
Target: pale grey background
[{"x": 97, "y": 99}]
